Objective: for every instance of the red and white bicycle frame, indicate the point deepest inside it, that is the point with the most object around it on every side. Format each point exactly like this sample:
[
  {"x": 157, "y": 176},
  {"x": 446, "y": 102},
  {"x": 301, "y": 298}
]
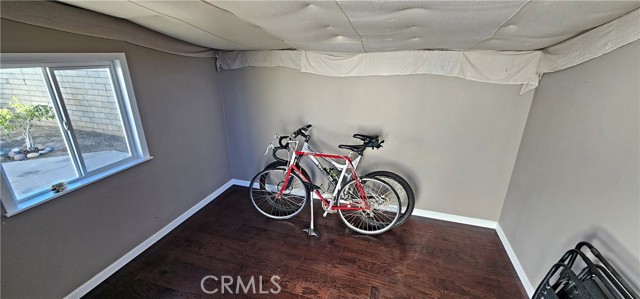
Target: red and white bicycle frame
[{"x": 349, "y": 165}]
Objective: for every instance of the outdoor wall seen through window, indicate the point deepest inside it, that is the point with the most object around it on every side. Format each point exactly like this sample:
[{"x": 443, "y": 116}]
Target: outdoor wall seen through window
[{"x": 34, "y": 144}]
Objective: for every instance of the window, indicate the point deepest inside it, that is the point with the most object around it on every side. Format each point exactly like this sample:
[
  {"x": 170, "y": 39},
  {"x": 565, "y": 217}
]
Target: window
[{"x": 67, "y": 120}]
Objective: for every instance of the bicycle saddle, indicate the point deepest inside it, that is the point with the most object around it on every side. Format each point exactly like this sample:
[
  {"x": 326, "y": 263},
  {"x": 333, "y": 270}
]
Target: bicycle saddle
[
  {"x": 365, "y": 138},
  {"x": 354, "y": 148}
]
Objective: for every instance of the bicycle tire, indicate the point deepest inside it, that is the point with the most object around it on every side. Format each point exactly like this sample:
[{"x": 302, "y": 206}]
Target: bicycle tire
[
  {"x": 275, "y": 164},
  {"x": 382, "y": 199},
  {"x": 402, "y": 187},
  {"x": 265, "y": 186}
]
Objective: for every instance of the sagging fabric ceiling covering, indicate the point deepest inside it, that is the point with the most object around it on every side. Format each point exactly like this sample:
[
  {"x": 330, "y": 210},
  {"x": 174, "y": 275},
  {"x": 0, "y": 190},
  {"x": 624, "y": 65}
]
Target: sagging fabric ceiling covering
[
  {"x": 490, "y": 67},
  {"x": 502, "y": 67},
  {"x": 367, "y": 25},
  {"x": 507, "y": 42}
]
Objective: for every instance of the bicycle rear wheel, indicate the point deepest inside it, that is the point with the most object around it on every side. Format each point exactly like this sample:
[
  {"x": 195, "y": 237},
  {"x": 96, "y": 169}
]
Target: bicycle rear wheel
[
  {"x": 264, "y": 189},
  {"x": 384, "y": 206},
  {"x": 402, "y": 187}
]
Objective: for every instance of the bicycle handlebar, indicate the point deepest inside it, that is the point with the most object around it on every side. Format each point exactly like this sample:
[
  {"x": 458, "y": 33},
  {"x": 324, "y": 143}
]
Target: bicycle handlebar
[{"x": 301, "y": 132}]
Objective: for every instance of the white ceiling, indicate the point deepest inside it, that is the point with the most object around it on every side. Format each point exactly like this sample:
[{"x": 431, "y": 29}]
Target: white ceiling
[{"x": 367, "y": 26}]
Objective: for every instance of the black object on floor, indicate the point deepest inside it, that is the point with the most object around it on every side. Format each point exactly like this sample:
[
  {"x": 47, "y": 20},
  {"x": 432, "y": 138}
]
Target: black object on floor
[{"x": 594, "y": 281}]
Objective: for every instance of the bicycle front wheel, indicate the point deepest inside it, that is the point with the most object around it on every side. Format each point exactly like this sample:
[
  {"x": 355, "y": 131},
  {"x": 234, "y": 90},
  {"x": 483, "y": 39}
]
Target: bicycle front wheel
[
  {"x": 384, "y": 206},
  {"x": 275, "y": 197}
]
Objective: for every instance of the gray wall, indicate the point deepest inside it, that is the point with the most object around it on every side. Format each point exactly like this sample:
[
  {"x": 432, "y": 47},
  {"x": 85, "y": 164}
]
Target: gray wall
[
  {"x": 52, "y": 249},
  {"x": 577, "y": 175},
  {"x": 455, "y": 139}
]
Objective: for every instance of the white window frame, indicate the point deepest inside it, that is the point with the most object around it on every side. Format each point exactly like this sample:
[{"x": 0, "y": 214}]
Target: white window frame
[{"x": 126, "y": 104}]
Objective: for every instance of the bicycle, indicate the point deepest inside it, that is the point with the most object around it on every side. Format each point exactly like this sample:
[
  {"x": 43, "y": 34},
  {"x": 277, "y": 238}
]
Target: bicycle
[
  {"x": 399, "y": 184},
  {"x": 366, "y": 205}
]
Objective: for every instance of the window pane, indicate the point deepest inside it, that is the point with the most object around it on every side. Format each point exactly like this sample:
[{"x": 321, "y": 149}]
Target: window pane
[
  {"x": 32, "y": 147},
  {"x": 93, "y": 110}
]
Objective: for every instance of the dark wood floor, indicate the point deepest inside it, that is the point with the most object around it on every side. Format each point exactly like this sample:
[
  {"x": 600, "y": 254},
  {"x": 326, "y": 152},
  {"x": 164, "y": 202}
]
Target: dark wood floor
[{"x": 423, "y": 258}]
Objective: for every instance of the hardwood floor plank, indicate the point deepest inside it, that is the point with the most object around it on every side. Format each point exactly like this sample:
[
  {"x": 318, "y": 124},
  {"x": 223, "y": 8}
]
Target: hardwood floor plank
[{"x": 423, "y": 258}]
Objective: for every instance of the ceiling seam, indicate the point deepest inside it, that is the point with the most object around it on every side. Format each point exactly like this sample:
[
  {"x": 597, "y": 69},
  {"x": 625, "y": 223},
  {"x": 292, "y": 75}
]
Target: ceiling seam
[
  {"x": 501, "y": 25},
  {"x": 352, "y": 27},
  {"x": 247, "y": 21},
  {"x": 187, "y": 23}
]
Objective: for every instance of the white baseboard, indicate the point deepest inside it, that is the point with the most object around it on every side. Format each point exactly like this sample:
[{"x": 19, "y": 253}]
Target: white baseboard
[
  {"x": 455, "y": 218},
  {"x": 242, "y": 183},
  {"x": 515, "y": 262},
  {"x": 104, "y": 274}
]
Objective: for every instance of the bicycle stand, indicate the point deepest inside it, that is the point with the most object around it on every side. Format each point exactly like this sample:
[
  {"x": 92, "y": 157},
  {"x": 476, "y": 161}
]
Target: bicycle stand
[{"x": 310, "y": 231}]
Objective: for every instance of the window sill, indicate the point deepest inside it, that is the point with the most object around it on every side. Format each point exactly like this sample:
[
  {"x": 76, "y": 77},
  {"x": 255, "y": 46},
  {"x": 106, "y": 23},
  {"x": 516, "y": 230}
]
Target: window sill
[{"x": 40, "y": 199}]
